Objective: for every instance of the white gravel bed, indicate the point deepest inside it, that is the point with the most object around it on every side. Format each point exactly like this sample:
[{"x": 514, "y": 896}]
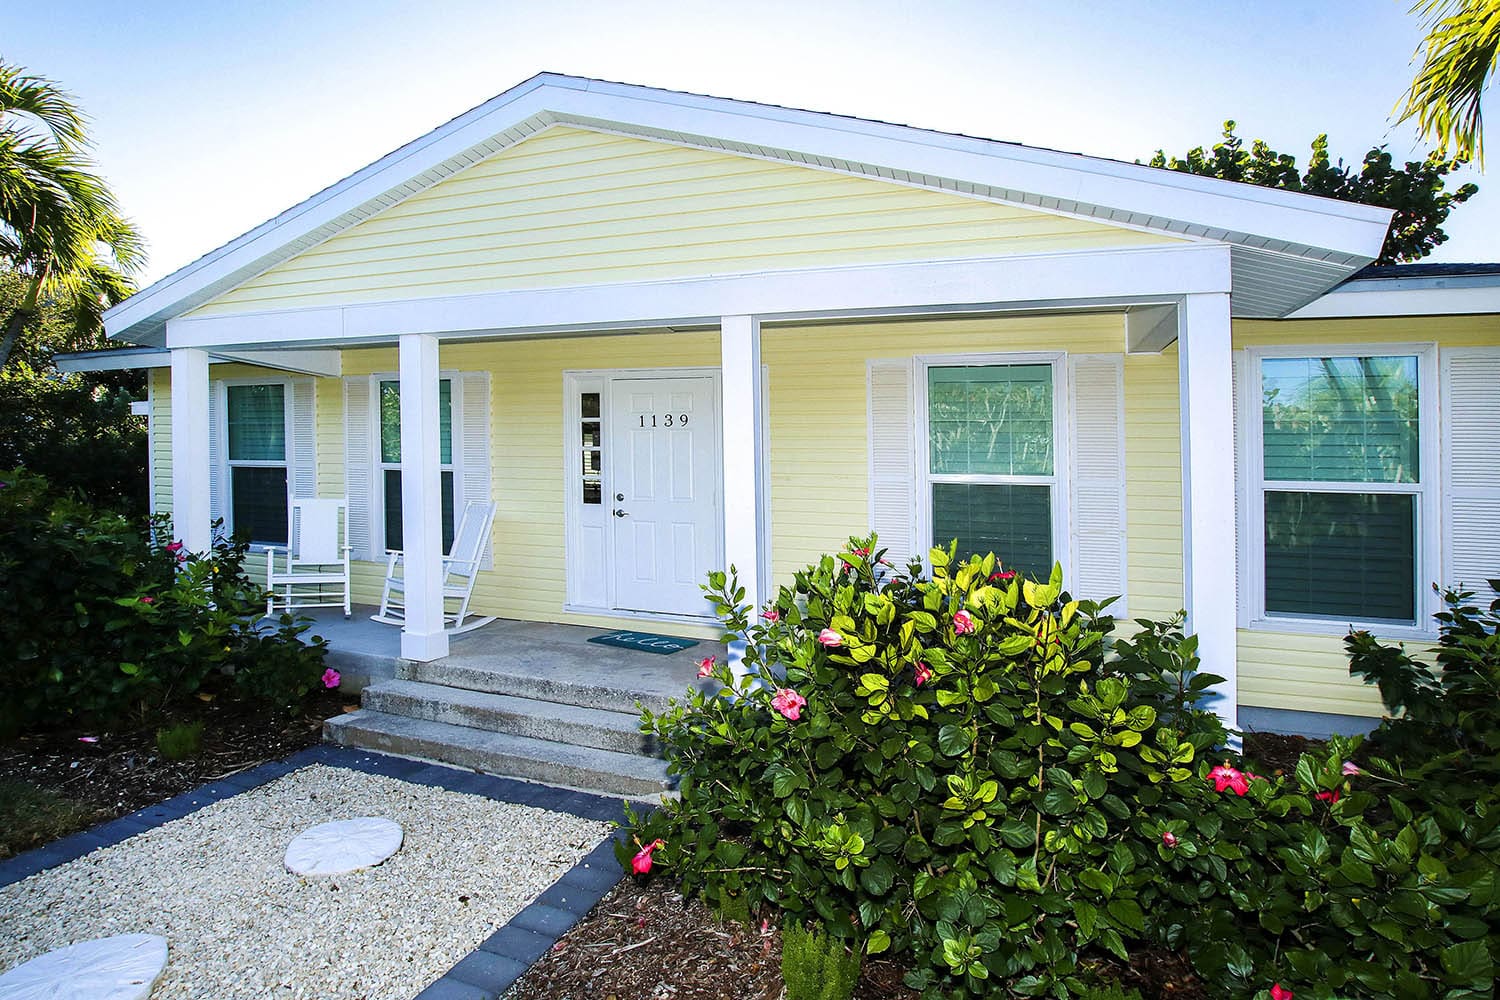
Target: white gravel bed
[{"x": 240, "y": 925}]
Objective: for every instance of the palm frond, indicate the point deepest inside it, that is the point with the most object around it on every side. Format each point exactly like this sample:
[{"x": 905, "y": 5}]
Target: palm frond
[
  {"x": 42, "y": 101},
  {"x": 1459, "y": 58}
]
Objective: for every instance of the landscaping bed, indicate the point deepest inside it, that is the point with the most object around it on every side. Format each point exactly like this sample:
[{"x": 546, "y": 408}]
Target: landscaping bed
[{"x": 56, "y": 783}]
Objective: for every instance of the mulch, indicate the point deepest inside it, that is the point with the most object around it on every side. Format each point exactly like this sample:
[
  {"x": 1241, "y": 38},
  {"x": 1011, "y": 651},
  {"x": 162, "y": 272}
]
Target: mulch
[
  {"x": 123, "y": 771},
  {"x": 1278, "y": 754},
  {"x": 648, "y": 941}
]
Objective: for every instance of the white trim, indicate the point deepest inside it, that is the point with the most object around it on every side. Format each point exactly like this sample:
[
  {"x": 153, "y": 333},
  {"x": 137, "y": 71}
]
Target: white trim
[
  {"x": 575, "y": 382},
  {"x": 1252, "y": 486},
  {"x": 422, "y": 632},
  {"x": 1082, "y": 278},
  {"x": 1062, "y": 453},
  {"x": 192, "y": 511},
  {"x": 1397, "y": 297},
  {"x": 1319, "y": 229},
  {"x": 220, "y": 387}
]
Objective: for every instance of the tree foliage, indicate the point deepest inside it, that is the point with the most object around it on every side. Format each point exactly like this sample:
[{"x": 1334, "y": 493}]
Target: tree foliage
[
  {"x": 1417, "y": 191},
  {"x": 1459, "y": 57},
  {"x": 60, "y": 226}
]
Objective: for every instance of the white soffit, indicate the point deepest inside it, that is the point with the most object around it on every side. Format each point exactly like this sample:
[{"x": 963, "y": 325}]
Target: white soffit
[{"x": 1289, "y": 247}]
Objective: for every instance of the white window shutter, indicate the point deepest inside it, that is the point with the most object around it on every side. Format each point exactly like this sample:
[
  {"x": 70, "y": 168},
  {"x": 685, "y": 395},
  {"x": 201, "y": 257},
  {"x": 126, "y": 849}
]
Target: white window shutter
[
  {"x": 1097, "y": 389},
  {"x": 304, "y": 439},
  {"x": 359, "y": 466},
  {"x": 475, "y": 428},
  {"x": 218, "y": 485},
  {"x": 893, "y": 472},
  {"x": 1471, "y": 442}
]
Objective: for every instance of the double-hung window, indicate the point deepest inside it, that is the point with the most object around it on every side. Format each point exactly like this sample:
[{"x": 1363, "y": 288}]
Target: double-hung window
[
  {"x": 1343, "y": 494},
  {"x": 992, "y": 459},
  {"x": 390, "y": 459},
  {"x": 256, "y": 418}
]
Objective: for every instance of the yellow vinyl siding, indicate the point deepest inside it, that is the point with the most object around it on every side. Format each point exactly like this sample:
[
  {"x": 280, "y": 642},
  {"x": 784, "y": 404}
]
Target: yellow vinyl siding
[
  {"x": 575, "y": 207},
  {"x": 160, "y": 445},
  {"x": 1310, "y": 672}
]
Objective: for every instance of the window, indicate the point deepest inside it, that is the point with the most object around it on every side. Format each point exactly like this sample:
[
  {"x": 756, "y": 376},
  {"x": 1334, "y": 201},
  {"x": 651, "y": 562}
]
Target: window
[
  {"x": 390, "y": 459},
  {"x": 992, "y": 462},
  {"x": 592, "y": 448},
  {"x": 1342, "y": 495},
  {"x": 256, "y": 418}
]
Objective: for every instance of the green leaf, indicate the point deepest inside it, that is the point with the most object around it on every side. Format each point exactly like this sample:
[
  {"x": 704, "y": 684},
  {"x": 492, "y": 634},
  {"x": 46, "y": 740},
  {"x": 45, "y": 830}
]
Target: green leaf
[
  {"x": 878, "y": 877},
  {"x": 1467, "y": 964},
  {"x": 953, "y": 740},
  {"x": 877, "y": 942},
  {"x": 1127, "y": 912}
]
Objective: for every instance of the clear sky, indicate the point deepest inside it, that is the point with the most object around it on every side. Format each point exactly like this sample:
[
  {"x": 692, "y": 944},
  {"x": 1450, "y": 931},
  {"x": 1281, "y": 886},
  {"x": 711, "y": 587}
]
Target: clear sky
[{"x": 211, "y": 116}]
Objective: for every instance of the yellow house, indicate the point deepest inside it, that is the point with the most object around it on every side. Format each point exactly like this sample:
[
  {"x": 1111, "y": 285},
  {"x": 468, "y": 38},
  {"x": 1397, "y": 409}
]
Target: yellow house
[{"x": 665, "y": 333}]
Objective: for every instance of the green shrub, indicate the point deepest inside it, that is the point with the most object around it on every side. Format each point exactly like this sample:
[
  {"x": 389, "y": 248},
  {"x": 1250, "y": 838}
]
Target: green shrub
[
  {"x": 105, "y": 616},
  {"x": 180, "y": 742},
  {"x": 949, "y": 769},
  {"x": 816, "y": 966},
  {"x": 1109, "y": 991}
]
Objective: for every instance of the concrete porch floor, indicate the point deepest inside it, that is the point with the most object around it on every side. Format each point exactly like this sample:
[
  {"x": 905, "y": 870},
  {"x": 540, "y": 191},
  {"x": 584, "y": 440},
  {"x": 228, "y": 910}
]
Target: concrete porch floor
[{"x": 365, "y": 651}]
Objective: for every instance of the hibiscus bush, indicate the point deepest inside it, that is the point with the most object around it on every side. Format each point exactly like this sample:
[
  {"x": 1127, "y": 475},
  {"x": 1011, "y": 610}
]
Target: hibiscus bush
[
  {"x": 964, "y": 770},
  {"x": 107, "y": 616}
]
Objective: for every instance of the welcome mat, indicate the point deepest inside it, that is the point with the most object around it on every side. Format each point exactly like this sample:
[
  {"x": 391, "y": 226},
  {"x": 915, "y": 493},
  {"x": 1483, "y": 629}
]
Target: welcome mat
[{"x": 646, "y": 642}]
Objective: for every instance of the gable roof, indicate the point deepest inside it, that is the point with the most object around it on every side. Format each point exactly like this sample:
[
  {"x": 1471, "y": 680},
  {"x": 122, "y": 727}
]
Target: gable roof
[{"x": 1286, "y": 248}]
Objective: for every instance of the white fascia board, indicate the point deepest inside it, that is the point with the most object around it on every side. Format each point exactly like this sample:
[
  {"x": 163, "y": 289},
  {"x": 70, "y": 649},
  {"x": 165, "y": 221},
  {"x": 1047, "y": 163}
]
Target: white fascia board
[
  {"x": 1389, "y": 299},
  {"x": 1339, "y": 228},
  {"x": 300, "y": 362},
  {"x": 1135, "y": 275}
]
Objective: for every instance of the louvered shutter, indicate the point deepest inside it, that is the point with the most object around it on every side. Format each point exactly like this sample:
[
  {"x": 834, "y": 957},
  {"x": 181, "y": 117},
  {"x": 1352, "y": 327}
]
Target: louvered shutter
[
  {"x": 1471, "y": 444},
  {"x": 475, "y": 447},
  {"x": 359, "y": 466},
  {"x": 218, "y": 492},
  {"x": 893, "y": 508},
  {"x": 304, "y": 439},
  {"x": 1097, "y": 389}
]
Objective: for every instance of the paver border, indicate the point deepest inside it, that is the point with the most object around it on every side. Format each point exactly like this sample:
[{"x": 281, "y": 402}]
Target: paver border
[{"x": 485, "y": 973}]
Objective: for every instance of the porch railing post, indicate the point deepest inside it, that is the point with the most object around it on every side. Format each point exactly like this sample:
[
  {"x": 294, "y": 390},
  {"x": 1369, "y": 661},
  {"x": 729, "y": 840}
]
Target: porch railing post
[
  {"x": 1206, "y": 381},
  {"x": 192, "y": 517},
  {"x": 422, "y": 637},
  {"x": 743, "y": 449}
]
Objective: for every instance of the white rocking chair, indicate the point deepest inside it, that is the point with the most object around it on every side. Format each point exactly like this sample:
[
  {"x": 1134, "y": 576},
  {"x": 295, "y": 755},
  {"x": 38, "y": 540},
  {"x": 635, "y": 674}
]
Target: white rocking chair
[
  {"x": 314, "y": 568},
  {"x": 460, "y": 569}
]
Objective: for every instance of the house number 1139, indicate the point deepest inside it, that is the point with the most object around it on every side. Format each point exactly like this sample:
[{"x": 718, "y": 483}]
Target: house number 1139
[{"x": 667, "y": 420}]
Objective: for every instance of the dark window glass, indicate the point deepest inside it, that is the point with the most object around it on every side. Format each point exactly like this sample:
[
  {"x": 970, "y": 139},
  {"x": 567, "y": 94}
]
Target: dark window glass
[
  {"x": 259, "y": 504},
  {"x": 1014, "y": 522},
  {"x": 393, "y": 510},
  {"x": 1341, "y": 555}
]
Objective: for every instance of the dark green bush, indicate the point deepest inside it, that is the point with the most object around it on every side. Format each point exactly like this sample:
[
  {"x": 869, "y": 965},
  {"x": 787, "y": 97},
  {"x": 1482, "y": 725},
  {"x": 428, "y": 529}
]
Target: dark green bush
[
  {"x": 181, "y": 741},
  {"x": 106, "y": 617},
  {"x": 949, "y": 769}
]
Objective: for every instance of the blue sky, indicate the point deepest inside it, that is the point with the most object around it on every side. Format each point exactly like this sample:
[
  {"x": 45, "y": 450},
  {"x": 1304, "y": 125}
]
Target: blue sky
[{"x": 212, "y": 116}]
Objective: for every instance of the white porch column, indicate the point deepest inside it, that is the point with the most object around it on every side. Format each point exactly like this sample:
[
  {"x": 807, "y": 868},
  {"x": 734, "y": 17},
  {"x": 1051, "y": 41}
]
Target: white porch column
[
  {"x": 192, "y": 518},
  {"x": 743, "y": 446},
  {"x": 422, "y": 637},
  {"x": 1206, "y": 381}
]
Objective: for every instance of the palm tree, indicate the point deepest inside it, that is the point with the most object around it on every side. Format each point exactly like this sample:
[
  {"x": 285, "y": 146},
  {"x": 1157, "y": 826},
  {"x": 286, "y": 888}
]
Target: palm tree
[
  {"x": 1459, "y": 59},
  {"x": 59, "y": 225}
]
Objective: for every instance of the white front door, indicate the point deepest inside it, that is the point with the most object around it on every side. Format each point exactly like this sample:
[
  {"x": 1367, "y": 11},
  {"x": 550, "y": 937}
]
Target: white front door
[{"x": 662, "y": 492}]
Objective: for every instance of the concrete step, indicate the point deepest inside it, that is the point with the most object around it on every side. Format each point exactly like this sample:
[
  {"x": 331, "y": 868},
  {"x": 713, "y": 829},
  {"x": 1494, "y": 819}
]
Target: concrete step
[
  {"x": 501, "y": 713},
  {"x": 585, "y": 768},
  {"x": 614, "y": 691}
]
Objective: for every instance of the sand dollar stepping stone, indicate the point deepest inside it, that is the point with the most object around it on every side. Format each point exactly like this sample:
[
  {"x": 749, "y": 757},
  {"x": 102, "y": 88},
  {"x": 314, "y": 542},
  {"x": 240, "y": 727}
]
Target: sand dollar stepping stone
[
  {"x": 344, "y": 845},
  {"x": 124, "y": 967}
]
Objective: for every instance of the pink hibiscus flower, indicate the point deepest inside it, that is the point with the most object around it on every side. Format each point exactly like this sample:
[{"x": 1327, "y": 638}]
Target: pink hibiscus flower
[
  {"x": 828, "y": 637},
  {"x": 963, "y": 623},
  {"x": 1226, "y": 777},
  {"x": 922, "y": 674},
  {"x": 1169, "y": 838},
  {"x": 1279, "y": 992},
  {"x": 771, "y": 615},
  {"x": 705, "y": 666},
  {"x": 789, "y": 703},
  {"x": 331, "y": 678},
  {"x": 1351, "y": 769},
  {"x": 641, "y": 863}
]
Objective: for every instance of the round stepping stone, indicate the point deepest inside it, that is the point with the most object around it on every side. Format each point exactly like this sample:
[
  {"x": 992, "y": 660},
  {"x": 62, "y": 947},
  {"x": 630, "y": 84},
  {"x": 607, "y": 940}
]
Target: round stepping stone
[
  {"x": 124, "y": 967},
  {"x": 344, "y": 845}
]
